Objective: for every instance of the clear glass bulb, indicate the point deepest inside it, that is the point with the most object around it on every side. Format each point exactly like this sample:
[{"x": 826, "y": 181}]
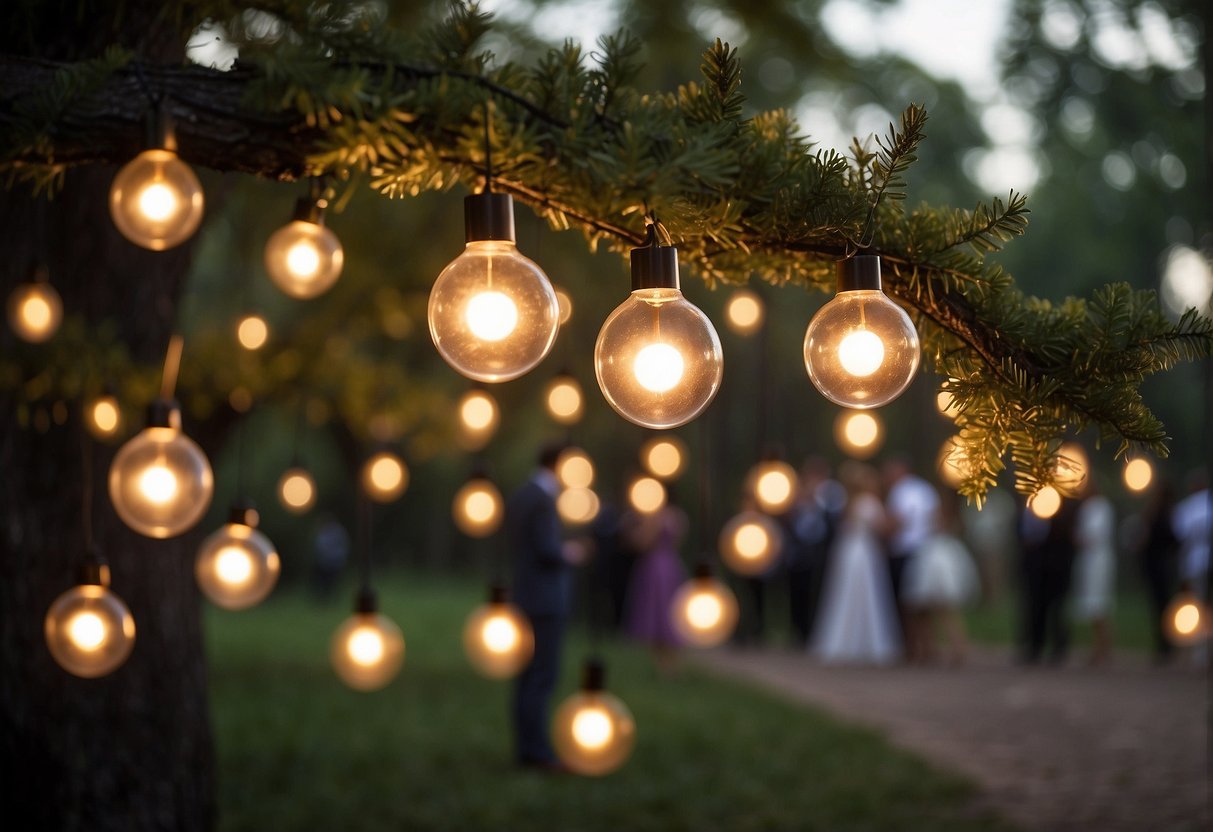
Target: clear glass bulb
[
  {"x": 236, "y": 566},
  {"x": 564, "y": 400},
  {"x": 493, "y": 314},
  {"x": 1186, "y": 620},
  {"x": 89, "y": 630},
  {"x": 577, "y": 506},
  {"x": 477, "y": 508},
  {"x": 664, "y": 458},
  {"x": 859, "y": 433},
  {"x": 704, "y": 611},
  {"x": 773, "y": 485},
  {"x": 297, "y": 490},
  {"x": 103, "y": 417},
  {"x": 303, "y": 258},
  {"x": 160, "y": 482},
  {"x": 861, "y": 349},
  {"x": 658, "y": 359},
  {"x": 385, "y": 477},
  {"x": 367, "y": 651},
  {"x": 744, "y": 312},
  {"x": 35, "y": 311},
  {"x": 593, "y": 732},
  {"x": 498, "y": 640},
  {"x": 156, "y": 200},
  {"x": 750, "y": 543}
]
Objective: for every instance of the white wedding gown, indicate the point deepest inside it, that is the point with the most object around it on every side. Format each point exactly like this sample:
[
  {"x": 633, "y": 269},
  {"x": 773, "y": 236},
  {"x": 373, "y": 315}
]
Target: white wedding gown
[{"x": 857, "y": 622}]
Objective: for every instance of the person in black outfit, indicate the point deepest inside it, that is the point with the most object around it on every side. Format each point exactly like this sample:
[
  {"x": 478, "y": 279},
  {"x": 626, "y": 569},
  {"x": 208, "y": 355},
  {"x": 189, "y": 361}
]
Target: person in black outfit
[
  {"x": 1048, "y": 561},
  {"x": 809, "y": 531},
  {"x": 1159, "y": 563}
]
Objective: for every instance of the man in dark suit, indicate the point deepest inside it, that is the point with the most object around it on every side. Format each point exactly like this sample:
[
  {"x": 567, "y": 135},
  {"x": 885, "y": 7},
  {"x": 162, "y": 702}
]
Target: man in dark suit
[{"x": 542, "y": 578}]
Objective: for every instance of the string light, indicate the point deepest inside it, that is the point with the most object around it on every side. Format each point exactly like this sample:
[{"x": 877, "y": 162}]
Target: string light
[
  {"x": 861, "y": 350},
  {"x": 367, "y": 650},
  {"x": 478, "y": 418},
  {"x": 859, "y": 433},
  {"x": 593, "y": 731},
  {"x": 772, "y": 484},
  {"x": 297, "y": 490},
  {"x": 477, "y": 507},
  {"x": 575, "y": 469},
  {"x": 577, "y": 506},
  {"x": 658, "y": 358},
  {"x": 89, "y": 630},
  {"x": 103, "y": 417},
  {"x": 744, "y": 312},
  {"x": 647, "y": 495},
  {"x": 664, "y": 458},
  {"x": 564, "y": 399},
  {"x": 750, "y": 543},
  {"x": 1186, "y": 620},
  {"x": 385, "y": 477},
  {"x": 1138, "y": 474},
  {"x": 35, "y": 309},
  {"x": 704, "y": 610},
  {"x": 237, "y": 566},
  {"x": 304, "y": 258},
  {"x": 493, "y": 315},
  {"x": 497, "y": 637},
  {"x": 252, "y": 332},
  {"x": 1045, "y": 503},
  {"x": 156, "y": 199}
]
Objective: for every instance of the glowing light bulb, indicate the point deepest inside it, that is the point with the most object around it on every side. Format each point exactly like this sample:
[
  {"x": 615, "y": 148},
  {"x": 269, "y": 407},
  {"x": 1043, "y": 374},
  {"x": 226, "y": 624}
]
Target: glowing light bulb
[
  {"x": 859, "y": 433},
  {"x": 478, "y": 418},
  {"x": 575, "y": 469},
  {"x": 861, "y": 350},
  {"x": 104, "y": 417},
  {"x": 773, "y": 485},
  {"x": 493, "y": 315},
  {"x": 385, "y": 477},
  {"x": 593, "y": 731},
  {"x": 497, "y": 637},
  {"x": 750, "y": 543},
  {"x": 252, "y": 332},
  {"x": 744, "y": 312},
  {"x": 664, "y": 458},
  {"x": 577, "y": 506},
  {"x": 477, "y": 507},
  {"x": 704, "y": 611},
  {"x": 297, "y": 490},
  {"x": 647, "y": 495},
  {"x": 956, "y": 463},
  {"x": 1186, "y": 620},
  {"x": 156, "y": 200},
  {"x": 160, "y": 481},
  {"x": 304, "y": 258},
  {"x": 1045, "y": 503},
  {"x": 1070, "y": 469},
  {"x": 658, "y": 358},
  {"x": 35, "y": 311},
  {"x": 367, "y": 650},
  {"x": 564, "y": 400},
  {"x": 1138, "y": 474},
  {"x": 89, "y": 630},
  {"x": 237, "y": 566},
  {"x": 366, "y": 646},
  {"x": 945, "y": 403}
]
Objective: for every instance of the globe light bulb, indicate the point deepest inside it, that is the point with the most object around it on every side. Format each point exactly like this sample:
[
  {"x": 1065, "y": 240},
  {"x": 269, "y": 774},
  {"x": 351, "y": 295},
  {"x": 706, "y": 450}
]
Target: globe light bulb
[
  {"x": 658, "y": 358},
  {"x": 304, "y": 258},
  {"x": 750, "y": 543},
  {"x": 103, "y": 417},
  {"x": 593, "y": 731},
  {"x": 957, "y": 464},
  {"x": 704, "y": 610},
  {"x": 564, "y": 400},
  {"x": 385, "y": 477},
  {"x": 859, "y": 433},
  {"x": 945, "y": 403},
  {"x": 664, "y": 458},
  {"x": 1186, "y": 620},
  {"x": 368, "y": 648},
  {"x": 160, "y": 481},
  {"x": 297, "y": 490},
  {"x": 35, "y": 310},
  {"x": 252, "y": 332},
  {"x": 493, "y": 314},
  {"x": 646, "y": 495},
  {"x": 744, "y": 312},
  {"x": 89, "y": 630},
  {"x": 772, "y": 484},
  {"x": 577, "y": 506},
  {"x": 1045, "y": 503},
  {"x": 861, "y": 350},
  {"x": 497, "y": 637},
  {"x": 478, "y": 418},
  {"x": 237, "y": 565},
  {"x": 564, "y": 302},
  {"x": 575, "y": 469},
  {"x": 1070, "y": 469},
  {"x": 478, "y": 507},
  {"x": 156, "y": 200},
  {"x": 1138, "y": 474}
]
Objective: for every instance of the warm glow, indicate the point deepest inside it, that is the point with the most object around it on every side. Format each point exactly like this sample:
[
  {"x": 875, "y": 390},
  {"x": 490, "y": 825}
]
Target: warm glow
[
  {"x": 744, "y": 312},
  {"x": 491, "y": 316},
  {"x": 365, "y": 646},
  {"x": 704, "y": 610},
  {"x": 36, "y": 312},
  {"x": 1070, "y": 471},
  {"x": 478, "y": 411},
  {"x": 297, "y": 490},
  {"x": 252, "y": 332},
  {"x": 577, "y": 505},
  {"x": 773, "y": 488},
  {"x": 592, "y": 728},
  {"x": 861, "y": 353},
  {"x": 157, "y": 484},
  {"x": 647, "y": 495},
  {"x": 564, "y": 401},
  {"x": 233, "y": 565},
  {"x": 500, "y": 634},
  {"x": 477, "y": 508},
  {"x": 574, "y": 469},
  {"x": 751, "y": 541},
  {"x": 861, "y": 429},
  {"x": 302, "y": 259},
  {"x": 665, "y": 458},
  {"x": 480, "y": 506},
  {"x": 87, "y": 631},
  {"x": 565, "y": 303},
  {"x": 157, "y": 202},
  {"x": 658, "y": 367},
  {"x": 105, "y": 416},
  {"x": 1045, "y": 503},
  {"x": 945, "y": 403},
  {"x": 1138, "y": 474},
  {"x": 385, "y": 476},
  {"x": 1186, "y": 619}
]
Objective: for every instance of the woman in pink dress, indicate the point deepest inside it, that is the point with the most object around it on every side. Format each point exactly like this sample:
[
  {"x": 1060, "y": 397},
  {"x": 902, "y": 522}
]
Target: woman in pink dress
[{"x": 655, "y": 578}]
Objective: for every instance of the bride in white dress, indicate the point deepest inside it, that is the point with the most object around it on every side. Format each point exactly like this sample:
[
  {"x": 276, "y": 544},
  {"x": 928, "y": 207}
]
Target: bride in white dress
[{"x": 857, "y": 621}]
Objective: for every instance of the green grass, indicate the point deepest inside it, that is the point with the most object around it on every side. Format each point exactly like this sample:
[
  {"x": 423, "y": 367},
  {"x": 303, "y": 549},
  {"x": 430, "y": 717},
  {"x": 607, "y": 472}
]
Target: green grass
[{"x": 431, "y": 752}]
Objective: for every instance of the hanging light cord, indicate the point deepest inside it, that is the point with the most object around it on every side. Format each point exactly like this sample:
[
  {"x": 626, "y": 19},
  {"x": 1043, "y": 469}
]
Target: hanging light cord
[
  {"x": 488, "y": 145},
  {"x": 240, "y": 430},
  {"x": 296, "y": 456},
  {"x": 703, "y": 524},
  {"x": 364, "y": 543},
  {"x": 86, "y": 488},
  {"x": 172, "y": 365}
]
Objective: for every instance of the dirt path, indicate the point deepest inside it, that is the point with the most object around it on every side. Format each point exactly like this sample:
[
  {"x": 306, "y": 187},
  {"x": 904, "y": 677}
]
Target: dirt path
[{"x": 1078, "y": 748}]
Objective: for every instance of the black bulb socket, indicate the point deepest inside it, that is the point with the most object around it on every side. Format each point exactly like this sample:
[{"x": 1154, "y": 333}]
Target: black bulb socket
[
  {"x": 164, "y": 413},
  {"x": 498, "y": 594},
  {"x": 243, "y": 513},
  {"x": 94, "y": 570},
  {"x": 159, "y": 132},
  {"x": 655, "y": 267},
  {"x": 593, "y": 677},
  {"x": 366, "y": 601},
  {"x": 703, "y": 570},
  {"x": 859, "y": 273},
  {"x": 488, "y": 216},
  {"x": 308, "y": 210}
]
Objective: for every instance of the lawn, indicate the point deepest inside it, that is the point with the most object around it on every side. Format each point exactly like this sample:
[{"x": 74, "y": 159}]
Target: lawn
[{"x": 299, "y": 751}]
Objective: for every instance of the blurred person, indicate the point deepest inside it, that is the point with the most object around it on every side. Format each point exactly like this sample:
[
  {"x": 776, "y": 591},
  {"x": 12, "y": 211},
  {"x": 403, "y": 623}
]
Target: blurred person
[
  {"x": 656, "y": 577},
  {"x": 857, "y": 620},
  {"x": 990, "y": 533},
  {"x": 332, "y": 550},
  {"x": 913, "y": 509},
  {"x": 810, "y": 527},
  {"x": 1157, "y": 559},
  {"x": 939, "y": 580},
  {"x": 1047, "y": 564},
  {"x": 1191, "y": 522},
  {"x": 1095, "y": 568},
  {"x": 542, "y": 578},
  {"x": 612, "y": 564}
]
